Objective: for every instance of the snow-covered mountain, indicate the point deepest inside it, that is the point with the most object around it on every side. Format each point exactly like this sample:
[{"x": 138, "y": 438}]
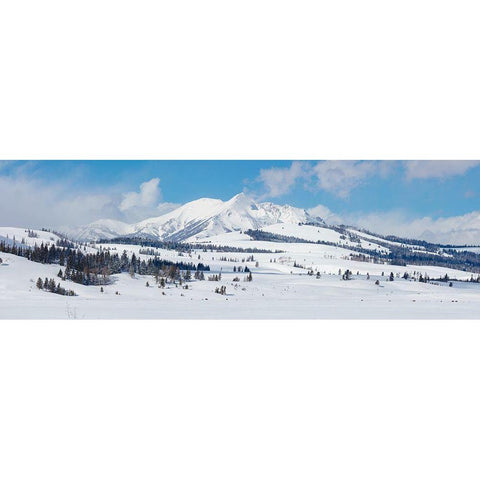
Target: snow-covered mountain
[
  {"x": 199, "y": 219},
  {"x": 105, "y": 228}
]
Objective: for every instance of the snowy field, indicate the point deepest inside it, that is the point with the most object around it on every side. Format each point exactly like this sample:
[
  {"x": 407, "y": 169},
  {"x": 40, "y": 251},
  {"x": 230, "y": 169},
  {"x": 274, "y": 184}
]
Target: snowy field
[{"x": 278, "y": 290}]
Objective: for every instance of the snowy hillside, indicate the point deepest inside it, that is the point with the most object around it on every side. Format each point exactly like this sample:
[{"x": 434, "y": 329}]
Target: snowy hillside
[
  {"x": 26, "y": 237},
  {"x": 324, "y": 234},
  {"x": 100, "y": 229},
  {"x": 282, "y": 287},
  {"x": 307, "y": 271}
]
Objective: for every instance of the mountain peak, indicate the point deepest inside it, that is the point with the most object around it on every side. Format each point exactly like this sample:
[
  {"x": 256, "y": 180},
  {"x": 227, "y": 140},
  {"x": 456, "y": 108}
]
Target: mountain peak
[
  {"x": 200, "y": 219},
  {"x": 238, "y": 196},
  {"x": 241, "y": 197}
]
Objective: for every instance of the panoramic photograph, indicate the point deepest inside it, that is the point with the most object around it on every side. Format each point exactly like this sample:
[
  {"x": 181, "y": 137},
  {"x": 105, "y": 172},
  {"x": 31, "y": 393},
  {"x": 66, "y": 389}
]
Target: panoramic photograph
[{"x": 240, "y": 239}]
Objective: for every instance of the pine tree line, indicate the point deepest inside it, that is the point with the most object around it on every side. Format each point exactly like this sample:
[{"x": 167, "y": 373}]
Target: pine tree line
[
  {"x": 184, "y": 247},
  {"x": 95, "y": 268}
]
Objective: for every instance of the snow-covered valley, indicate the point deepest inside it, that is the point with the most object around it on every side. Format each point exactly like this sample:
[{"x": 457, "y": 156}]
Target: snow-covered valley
[{"x": 288, "y": 280}]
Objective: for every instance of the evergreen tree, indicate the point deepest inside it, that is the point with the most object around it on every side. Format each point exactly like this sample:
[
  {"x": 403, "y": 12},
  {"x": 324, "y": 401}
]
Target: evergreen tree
[
  {"x": 39, "y": 283},
  {"x": 51, "y": 285},
  {"x": 347, "y": 275}
]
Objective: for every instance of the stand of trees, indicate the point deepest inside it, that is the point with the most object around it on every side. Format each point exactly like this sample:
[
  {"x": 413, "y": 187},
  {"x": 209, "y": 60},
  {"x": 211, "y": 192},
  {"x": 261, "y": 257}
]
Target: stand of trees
[
  {"x": 95, "y": 268},
  {"x": 50, "y": 286}
]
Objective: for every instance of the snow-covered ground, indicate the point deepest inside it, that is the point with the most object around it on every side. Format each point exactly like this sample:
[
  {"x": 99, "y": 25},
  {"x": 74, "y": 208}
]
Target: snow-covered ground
[
  {"x": 278, "y": 289},
  {"x": 20, "y": 237},
  {"x": 322, "y": 234},
  {"x": 468, "y": 249}
]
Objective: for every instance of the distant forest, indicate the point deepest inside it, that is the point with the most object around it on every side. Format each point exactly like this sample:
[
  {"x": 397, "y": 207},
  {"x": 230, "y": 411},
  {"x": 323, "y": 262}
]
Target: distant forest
[
  {"x": 401, "y": 255},
  {"x": 183, "y": 247}
]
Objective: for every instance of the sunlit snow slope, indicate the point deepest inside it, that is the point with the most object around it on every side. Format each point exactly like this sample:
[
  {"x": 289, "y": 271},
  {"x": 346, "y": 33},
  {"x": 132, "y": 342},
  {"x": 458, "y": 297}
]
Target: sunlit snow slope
[{"x": 199, "y": 219}]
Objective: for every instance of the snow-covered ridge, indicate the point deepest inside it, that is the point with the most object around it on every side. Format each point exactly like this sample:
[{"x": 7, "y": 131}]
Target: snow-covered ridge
[
  {"x": 208, "y": 217},
  {"x": 99, "y": 229},
  {"x": 197, "y": 220}
]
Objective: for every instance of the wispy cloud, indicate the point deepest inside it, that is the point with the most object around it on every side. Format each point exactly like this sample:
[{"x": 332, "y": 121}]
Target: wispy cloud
[
  {"x": 459, "y": 230},
  {"x": 336, "y": 177},
  {"x": 423, "y": 169},
  {"x": 31, "y": 202},
  {"x": 278, "y": 181},
  {"x": 340, "y": 178}
]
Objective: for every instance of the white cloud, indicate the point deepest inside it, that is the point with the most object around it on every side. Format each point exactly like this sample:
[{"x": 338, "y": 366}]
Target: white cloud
[
  {"x": 136, "y": 206},
  {"x": 325, "y": 214},
  {"x": 437, "y": 168},
  {"x": 279, "y": 181},
  {"x": 148, "y": 196},
  {"x": 458, "y": 230},
  {"x": 336, "y": 177},
  {"x": 455, "y": 230},
  {"x": 341, "y": 177},
  {"x": 29, "y": 202}
]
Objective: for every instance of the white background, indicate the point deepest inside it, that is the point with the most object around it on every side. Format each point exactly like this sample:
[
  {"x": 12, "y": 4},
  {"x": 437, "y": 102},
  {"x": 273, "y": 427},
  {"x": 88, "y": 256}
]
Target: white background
[
  {"x": 256, "y": 400},
  {"x": 251, "y": 79}
]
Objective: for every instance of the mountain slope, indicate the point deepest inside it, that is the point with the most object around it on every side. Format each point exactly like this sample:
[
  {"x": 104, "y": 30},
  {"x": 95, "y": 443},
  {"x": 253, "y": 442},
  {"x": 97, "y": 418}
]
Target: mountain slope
[
  {"x": 199, "y": 219},
  {"x": 106, "y": 229}
]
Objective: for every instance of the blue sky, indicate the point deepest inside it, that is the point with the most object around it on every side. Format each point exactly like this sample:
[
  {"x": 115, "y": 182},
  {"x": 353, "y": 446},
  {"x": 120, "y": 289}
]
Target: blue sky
[
  {"x": 88, "y": 190},
  {"x": 183, "y": 181}
]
